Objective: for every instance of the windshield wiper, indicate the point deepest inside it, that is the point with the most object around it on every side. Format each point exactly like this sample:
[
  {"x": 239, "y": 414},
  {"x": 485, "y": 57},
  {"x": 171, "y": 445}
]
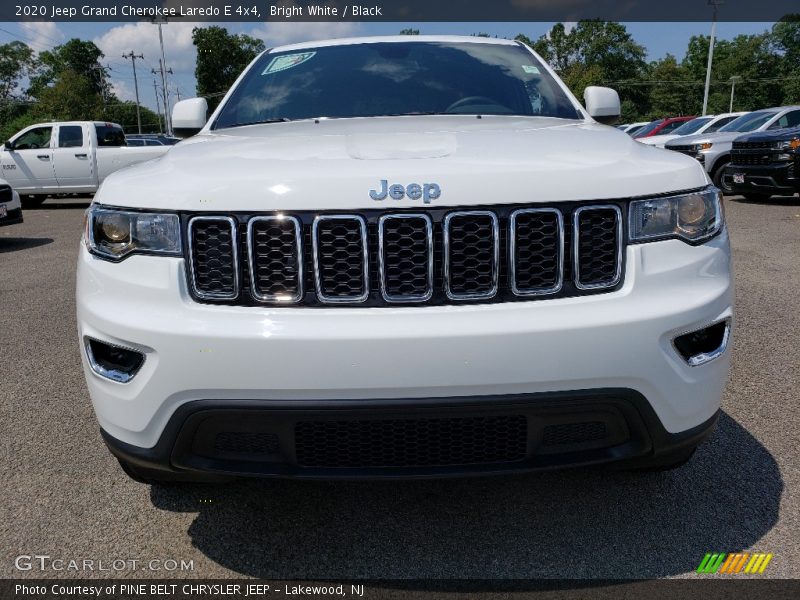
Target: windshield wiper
[{"x": 263, "y": 122}]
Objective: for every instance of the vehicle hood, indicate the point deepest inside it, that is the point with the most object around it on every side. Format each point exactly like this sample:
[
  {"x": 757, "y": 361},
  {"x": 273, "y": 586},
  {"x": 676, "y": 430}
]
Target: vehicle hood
[
  {"x": 333, "y": 164},
  {"x": 657, "y": 140},
  {"x": 716, "y": 138},
  {"x": 770, "y": 136}
]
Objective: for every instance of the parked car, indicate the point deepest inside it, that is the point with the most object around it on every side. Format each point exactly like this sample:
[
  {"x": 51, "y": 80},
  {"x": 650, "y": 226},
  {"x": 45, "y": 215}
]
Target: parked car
[
  {"x": 166, "y": 140},
  {"x": 707, "y": 124},
  {"x": 10, "y": 206},
  {"x": 714, "y": 150},
  {"x": 661, "y": 126},
  {"x": 634, "y": 127},
  {"x": 143, "y": 142},
  {"x": 67, "y": 158},
  {"x": 765, "y": 164},
  {"x": 391, "y": 279}
]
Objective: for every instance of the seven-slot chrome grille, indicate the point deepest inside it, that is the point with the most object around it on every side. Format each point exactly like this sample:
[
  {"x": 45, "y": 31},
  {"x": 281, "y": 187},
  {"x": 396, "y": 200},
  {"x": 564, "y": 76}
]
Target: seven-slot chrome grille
[{"x": 379, "y": 258}]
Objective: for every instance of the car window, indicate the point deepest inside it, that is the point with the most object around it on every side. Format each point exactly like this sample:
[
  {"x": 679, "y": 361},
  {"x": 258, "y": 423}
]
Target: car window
[
  {"x": 671, "y": 127},
  {"x": 135, "y": 142},
  {"x": 748, "y": 122},
  {"x": 719, "y": 124},
  {"x": 649, "y": 127},
  {"x": 790, "y": 119},
  {"x": 691, "y": 126},
  {"x": 70, "y": 136},
  {"x": 110, "y": 135},
  {"x": 395, "y": 78},
  {"x": 36, "y": 138},
  {"x": 152, "y": 143}
]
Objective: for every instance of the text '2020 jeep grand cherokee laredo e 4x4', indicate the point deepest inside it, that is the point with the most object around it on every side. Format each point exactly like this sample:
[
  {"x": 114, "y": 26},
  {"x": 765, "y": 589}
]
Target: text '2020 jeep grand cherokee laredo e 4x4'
[{"x": 404, "y": 257}]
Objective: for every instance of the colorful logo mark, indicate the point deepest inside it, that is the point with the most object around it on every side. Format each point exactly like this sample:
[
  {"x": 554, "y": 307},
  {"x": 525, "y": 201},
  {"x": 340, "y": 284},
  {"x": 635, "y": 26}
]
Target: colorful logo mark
[{"x": 737, "y": 562}]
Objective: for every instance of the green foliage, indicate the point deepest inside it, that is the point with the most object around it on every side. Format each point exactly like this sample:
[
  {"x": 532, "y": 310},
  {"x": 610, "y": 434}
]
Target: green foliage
[
  {"x": 124, "y": 114},
  {"x": 71, "y": 98},
  {"x": 75, "y": 56},
  {"x": 16, "y": 59},
  {"x": 221, "y": 57},
  {"x": 11, "y": 126}
]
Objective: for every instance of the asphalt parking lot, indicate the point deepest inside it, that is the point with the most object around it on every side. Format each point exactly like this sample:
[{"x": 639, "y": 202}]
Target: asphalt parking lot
[{"x": 64, "y": 495}]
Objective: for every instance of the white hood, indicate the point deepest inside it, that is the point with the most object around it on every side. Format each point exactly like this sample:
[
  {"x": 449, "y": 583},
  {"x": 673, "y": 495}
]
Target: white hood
[{"x": 333, "y": 164}]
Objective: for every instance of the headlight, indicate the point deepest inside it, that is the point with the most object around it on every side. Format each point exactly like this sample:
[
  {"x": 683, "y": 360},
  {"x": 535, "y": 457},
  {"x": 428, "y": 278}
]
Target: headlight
[
  {"x": 704, "y": 146},
  {"x": 115, "y": 234},
  {"x": 693, "y": 217},
  {"x": 792, "y": 144}
]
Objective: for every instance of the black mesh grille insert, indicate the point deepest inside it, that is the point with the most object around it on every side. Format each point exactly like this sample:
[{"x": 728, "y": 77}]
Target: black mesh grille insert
[
  {"x": 597, "y": 247},
  {"x": 246, "y": 442},
  {"x": 213, "y": 257},
  {"x": 748, "y": 158},
  {"x": 411, "y": 442},
  {"x": 6, "y": 195},
  {"x": 275, "y": 260},
  {"x": 406, "y": 254},
  {"x": 751, "y": 145},
  {"x": 537, "y": 252},
  {"x": 472, "y": 255},
  {"x": 339, "y": 246},
  {"x": 573, "y": 433}
]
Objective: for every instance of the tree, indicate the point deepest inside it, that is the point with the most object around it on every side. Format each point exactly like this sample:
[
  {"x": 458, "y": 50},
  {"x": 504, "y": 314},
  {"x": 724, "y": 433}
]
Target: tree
[
  {"x": 71, "y": 98},
  {"x": 77, "y": 57},
  {"x": 16, "y": 59},
  {"x": 668, "y": 91},
  {"x": 594, "y": 53},
  {"x": 785, "y": 42},
  {"x": 220, "y": 58},
  {"x": 124, "y": 114}
]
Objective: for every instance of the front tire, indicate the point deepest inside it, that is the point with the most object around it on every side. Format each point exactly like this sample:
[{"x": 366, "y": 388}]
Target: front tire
[
  {"x": 719, "y": 180},
  {"x": 32, "y": 201}
]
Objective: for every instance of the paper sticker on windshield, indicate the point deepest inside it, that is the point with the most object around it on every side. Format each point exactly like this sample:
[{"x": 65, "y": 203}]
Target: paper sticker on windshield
[
  {"x": 287, "y": 61},
  {"x": 530, "y": 69}
]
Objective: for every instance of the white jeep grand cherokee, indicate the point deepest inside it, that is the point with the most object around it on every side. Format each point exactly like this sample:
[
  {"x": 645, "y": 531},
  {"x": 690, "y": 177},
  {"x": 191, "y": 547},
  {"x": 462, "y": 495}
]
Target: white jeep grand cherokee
[{"x": 404, "y": 257}]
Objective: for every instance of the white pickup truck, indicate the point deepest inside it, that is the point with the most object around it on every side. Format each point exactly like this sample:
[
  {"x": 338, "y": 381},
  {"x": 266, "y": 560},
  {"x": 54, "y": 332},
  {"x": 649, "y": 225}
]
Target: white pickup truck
[{"x": 67, "y": 158}]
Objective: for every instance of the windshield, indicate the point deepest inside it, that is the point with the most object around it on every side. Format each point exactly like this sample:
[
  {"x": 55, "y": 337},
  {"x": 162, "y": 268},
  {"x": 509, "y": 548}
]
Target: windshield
[
  {"x": 395, "y": 78},
  {"x": 691, "y": 126},
  {"x": 749, "y": 122},
  {"x": 648, "y": 128}
]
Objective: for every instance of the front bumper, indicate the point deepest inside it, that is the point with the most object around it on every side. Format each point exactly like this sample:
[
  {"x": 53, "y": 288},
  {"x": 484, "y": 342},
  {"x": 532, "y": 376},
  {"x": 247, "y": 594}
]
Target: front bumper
[
  {"x": 376, "y": 358},
  {"x": 782, "y": 178},
  {"x": 13, "y": 211}
]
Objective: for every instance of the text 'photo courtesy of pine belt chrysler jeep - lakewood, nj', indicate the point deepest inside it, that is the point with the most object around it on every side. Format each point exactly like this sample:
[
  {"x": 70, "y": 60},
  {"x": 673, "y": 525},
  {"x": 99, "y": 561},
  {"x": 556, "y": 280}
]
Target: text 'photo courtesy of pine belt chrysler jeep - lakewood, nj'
[{"x": 393, "y": 257}]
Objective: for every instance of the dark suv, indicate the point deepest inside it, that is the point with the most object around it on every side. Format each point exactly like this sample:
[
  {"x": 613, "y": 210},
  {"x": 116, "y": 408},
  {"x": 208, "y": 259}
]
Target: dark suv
[{"x": 765, "y": 164}]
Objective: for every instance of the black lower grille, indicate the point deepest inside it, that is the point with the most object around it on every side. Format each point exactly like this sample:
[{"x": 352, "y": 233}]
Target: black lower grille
[
  {"x": 6, "y": 195},
  {"x": 437, "y": 256},
  {"x": 411, "y": 442},
  {"x": 246, "y": 442},
  {"x": 573, "y": 433}
]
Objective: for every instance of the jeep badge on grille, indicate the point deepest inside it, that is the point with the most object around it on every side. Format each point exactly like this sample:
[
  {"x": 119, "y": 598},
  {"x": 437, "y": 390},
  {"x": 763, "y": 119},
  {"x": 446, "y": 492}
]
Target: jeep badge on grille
[{"x": 415, "y": 191}]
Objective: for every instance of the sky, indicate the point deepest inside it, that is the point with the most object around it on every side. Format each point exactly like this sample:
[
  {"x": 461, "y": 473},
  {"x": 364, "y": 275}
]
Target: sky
[{"x": 116, "y": 39}]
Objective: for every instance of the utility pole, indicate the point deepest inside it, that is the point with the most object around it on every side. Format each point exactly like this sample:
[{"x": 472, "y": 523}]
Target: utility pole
[
  {"x": 734, "y": 80},
  {"x": 163, "y": 68},
  {"x": 715, "y": 4},
  {"x": 158, "y": 105},
  {"x": 133, "y": 56},
  {"x": 164, "y": 93}
]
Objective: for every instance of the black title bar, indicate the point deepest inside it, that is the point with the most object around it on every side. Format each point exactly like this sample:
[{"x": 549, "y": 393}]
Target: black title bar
[{"x": 408, "y": 11}]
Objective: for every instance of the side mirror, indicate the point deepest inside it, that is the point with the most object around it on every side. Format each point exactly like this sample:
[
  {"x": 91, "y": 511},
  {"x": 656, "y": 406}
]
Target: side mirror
[
  {"x": 189, "y": 117},
  {"x": 602, "y": 104},
  {"x": 9, "y": 145}
]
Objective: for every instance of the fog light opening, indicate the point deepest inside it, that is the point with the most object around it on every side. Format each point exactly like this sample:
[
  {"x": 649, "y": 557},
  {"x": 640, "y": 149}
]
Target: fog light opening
[
  {"x": 704, "y": 345},
  {"x": 113, "y": 362}
]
